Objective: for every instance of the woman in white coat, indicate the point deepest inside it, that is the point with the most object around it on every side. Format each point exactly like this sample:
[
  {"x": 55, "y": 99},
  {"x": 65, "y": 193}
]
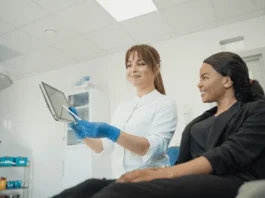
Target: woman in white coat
[{"x": 144, "y": 126}]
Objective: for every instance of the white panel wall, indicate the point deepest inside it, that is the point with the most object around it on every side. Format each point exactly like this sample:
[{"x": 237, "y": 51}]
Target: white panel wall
[{"x": 31, "y": 126}]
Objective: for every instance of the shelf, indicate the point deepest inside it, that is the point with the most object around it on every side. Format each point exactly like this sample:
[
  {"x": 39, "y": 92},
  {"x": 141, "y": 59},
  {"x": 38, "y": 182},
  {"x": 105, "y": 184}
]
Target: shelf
[
  {"x": 82, "y": 107},
  {"x": 8, "y": 189},
  {"x": 79, "y": 100},
  {"x": 80, "y": 145},
  {"x": 14, "y": 166}
]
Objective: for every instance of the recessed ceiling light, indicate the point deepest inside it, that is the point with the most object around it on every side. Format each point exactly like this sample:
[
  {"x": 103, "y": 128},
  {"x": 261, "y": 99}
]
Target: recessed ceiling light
[
  {"x": 126, "y": 9},
  {"x": 50, "y": 32}
]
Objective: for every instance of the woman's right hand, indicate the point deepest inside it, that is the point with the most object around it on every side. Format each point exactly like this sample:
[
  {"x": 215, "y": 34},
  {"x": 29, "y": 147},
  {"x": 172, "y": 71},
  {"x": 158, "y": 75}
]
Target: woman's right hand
[{"x": 145, "y": 175}]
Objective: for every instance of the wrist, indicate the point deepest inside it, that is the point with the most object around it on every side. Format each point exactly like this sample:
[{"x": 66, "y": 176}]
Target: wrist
[
  {"x": 180, "y": 170},
  {"x": 114, "y": 134},
  {"x": 170, "y": 173},
  {"x": 166, "y": 173}
]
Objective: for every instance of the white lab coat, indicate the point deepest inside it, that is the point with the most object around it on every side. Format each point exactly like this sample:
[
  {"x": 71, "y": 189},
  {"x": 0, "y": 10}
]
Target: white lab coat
[{"x": 152, "y": 116}]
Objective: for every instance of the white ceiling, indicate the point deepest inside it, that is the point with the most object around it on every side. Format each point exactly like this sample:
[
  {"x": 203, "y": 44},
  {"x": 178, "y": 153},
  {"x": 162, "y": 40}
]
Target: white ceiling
[{"x": 86, "y": 31}]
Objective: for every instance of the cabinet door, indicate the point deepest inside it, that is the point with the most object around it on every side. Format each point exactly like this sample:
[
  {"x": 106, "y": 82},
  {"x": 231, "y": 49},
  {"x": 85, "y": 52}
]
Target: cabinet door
[
  {"x": 256, "y": 68},
  {"x": 76, "y": 166},
  {"x": 81, "y": 102},
  {"x": 91, "y": 105},
  {"x": 255, "y": 60}
]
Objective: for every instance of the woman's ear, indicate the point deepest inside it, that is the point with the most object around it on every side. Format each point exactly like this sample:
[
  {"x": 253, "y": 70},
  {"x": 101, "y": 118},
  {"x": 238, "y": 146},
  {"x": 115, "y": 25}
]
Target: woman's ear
[{"x": 228, "y": 82}]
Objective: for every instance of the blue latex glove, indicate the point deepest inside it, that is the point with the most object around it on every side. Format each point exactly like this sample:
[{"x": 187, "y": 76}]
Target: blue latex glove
[
  {"x": 84, "y": 129},
  {"x": 73, "y": 109}
]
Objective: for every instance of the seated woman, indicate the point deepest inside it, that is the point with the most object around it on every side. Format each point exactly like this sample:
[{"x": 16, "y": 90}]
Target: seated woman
[{"x": 220, "y": 150}]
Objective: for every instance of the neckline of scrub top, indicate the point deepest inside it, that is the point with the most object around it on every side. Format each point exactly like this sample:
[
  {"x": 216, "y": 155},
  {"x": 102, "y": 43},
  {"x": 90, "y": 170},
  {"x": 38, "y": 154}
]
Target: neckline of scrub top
[
  {"x": 147, "y": 95},
  {"x": 146, "y": 98}
]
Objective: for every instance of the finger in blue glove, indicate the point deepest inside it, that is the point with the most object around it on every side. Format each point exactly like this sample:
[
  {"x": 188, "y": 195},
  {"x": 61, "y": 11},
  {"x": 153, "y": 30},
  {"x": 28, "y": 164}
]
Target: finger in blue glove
[
  {"x": 79, "y": 133},
  {"x": 73, "y": 110}
]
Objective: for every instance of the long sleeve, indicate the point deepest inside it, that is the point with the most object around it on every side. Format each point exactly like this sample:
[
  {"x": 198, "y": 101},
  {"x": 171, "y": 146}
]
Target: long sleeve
[
  {"x": 243, "y": 146},
  {"x": 162, "y": 130}
]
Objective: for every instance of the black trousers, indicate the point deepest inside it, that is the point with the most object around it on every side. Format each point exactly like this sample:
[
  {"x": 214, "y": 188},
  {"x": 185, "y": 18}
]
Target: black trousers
[{"x": 193, "y": 186}]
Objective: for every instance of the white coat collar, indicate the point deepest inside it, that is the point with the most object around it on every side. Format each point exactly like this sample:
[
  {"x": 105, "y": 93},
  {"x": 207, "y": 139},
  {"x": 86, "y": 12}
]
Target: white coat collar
[{"x": 147, "y": 98}]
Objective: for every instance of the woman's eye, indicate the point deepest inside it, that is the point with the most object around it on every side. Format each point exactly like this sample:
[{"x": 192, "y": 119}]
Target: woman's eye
[
  {"x": 141, "y": 64},
  {"x": 128, "y": 66}
]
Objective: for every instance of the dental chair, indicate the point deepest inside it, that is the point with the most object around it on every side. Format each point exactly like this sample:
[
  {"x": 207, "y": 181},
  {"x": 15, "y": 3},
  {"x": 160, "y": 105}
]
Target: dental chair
[{"x": 173, "y": 153}]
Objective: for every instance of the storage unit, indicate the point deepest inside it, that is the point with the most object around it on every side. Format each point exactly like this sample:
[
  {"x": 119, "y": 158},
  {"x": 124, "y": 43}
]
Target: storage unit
[
  {"x": 91, "y": 104},
  {"x": 79, "y": 163},
  {"x": 17, "y": 176}
]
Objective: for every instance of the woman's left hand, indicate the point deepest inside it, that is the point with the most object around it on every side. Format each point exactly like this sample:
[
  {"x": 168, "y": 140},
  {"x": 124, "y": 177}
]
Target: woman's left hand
[{"x": 145, "y": 175}]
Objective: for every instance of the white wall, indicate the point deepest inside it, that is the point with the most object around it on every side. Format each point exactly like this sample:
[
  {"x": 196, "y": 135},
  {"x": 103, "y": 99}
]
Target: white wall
[
  {"x": 31, "y": 125},
  {"x": 182, "y": 58}
]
